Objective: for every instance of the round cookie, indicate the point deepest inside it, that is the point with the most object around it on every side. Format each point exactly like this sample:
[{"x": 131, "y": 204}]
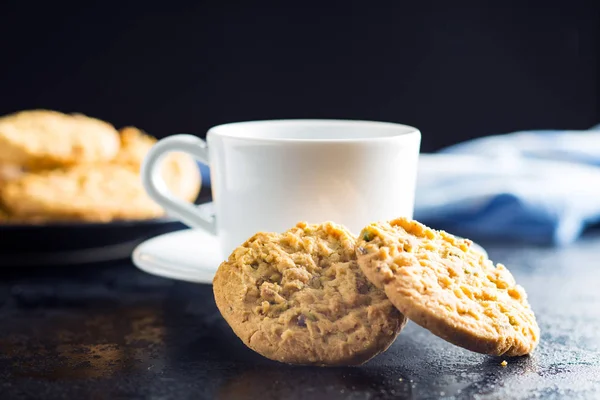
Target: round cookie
[
  {"x": 442, "y": 284},
  {"x": 299, "y": 297},
  {"x": 95, "y": 193},
  {"x": 98, "y": 192},
  {"x": 46, "y": 139}
]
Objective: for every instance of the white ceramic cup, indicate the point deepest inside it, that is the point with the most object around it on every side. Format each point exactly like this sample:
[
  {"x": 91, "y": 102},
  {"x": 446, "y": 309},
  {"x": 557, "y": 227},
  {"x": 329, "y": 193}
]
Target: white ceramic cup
[{"x": 268, "y": 175}]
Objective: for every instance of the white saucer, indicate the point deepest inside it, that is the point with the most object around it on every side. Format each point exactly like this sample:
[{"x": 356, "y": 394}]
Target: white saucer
[{"x": 189, "y": 255}]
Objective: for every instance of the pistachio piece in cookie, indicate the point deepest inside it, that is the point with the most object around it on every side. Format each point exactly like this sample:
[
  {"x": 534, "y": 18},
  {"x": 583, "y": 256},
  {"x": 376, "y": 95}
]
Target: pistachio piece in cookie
[
  {"x": 299, "y": 297},
  {"x": 443, "y": 284}
]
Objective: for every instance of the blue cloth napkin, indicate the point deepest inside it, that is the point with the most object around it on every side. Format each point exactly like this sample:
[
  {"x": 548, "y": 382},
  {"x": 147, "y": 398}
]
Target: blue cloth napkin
[{"x": 540, "y": 187}]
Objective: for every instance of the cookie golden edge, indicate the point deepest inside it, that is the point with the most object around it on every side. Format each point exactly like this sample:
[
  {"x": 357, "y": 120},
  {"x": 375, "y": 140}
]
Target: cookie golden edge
[
  {"x": 438, "y": 324},
  {"x": 228, "y": 290}
]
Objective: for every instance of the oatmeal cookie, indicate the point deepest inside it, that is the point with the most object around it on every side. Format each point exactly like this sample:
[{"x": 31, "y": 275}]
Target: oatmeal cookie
[
  {"x": 442, "y": 284},
  {"x": 94, "y": 193},
  {"x": 299, "y": 297},
  {"x": 47, "y": 139}
]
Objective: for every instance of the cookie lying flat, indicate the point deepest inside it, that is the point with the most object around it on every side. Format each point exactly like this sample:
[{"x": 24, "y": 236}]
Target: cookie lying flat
[
  {"x": 96, "y": 193},
  {"x": 300, "y": 297},
  {"x": 44, "y": 138},
  {"x": 442, "y": 284}
]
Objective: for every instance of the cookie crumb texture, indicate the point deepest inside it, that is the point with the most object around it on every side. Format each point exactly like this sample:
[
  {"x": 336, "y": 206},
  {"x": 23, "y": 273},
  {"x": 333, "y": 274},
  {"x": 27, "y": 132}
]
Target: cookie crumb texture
[
  {"x": 300, "y": 298},
  {"x": 449, "y": 288}
]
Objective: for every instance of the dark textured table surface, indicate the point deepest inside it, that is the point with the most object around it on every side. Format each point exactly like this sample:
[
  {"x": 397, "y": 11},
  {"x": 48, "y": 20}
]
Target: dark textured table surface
[{"x": 113, "y": 332}]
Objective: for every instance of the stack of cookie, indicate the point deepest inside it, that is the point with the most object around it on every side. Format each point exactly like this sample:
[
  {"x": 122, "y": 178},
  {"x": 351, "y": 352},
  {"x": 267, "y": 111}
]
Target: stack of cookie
[
  {"x": 70, "y": 167},
  {"x": 317, "y": 295}
]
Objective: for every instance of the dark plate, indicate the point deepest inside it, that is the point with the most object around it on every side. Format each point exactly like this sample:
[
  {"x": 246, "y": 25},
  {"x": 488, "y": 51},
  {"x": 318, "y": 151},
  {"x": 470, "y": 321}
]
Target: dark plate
[
  {"x": 77, "y": 243},
  {"x": 81, "y": 243},
  {"x": 84, "y": 243}
]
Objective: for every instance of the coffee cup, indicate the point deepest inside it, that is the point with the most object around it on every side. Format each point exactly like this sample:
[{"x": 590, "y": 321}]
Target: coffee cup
[{"x": 268, "y": 175}]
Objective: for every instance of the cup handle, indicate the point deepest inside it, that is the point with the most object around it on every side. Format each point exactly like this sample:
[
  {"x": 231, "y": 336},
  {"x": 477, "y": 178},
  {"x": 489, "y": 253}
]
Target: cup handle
[{"x": 157, "y": 189}]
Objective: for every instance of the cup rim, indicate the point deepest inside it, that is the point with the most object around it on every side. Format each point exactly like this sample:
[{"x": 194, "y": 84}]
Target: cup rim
[{"x": 405, "y": 132}]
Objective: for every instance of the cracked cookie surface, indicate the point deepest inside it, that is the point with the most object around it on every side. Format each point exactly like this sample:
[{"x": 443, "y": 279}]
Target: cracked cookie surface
[
  {"x": 299, "y": 297},
  {"x": 442, "y": 284}
]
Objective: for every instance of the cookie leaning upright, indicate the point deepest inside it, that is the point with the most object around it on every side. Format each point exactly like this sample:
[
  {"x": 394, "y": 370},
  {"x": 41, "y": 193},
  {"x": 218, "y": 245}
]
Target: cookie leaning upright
[
  {"x": 299, "y": 297},
  {"x": 442, "y": 284},
  {"x": 43, "y": 138}
]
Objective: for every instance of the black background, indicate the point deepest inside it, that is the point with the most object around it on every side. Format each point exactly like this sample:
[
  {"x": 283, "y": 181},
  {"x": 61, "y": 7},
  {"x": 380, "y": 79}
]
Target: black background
[{"x": 454, "y": 70}]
